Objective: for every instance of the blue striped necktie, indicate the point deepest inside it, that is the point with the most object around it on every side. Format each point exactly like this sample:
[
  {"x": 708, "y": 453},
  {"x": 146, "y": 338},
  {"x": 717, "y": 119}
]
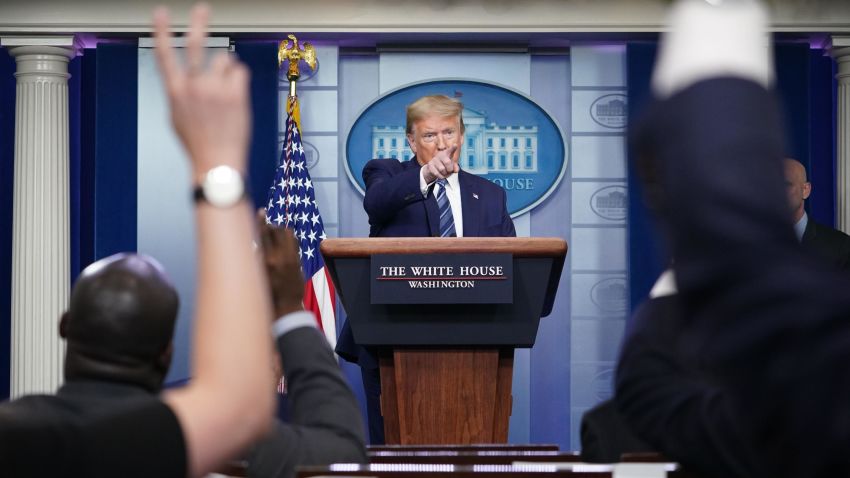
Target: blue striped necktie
[{"x": 447, "y": 221}]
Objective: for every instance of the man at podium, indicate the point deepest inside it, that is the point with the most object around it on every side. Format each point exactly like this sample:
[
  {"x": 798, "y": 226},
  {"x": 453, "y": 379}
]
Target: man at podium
[{"x": 428, "y": 196}]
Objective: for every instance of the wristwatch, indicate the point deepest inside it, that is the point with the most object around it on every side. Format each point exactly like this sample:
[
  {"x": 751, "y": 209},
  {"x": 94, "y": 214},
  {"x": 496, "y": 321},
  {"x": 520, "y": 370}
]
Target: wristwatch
[{"x": 222, "y": 186}]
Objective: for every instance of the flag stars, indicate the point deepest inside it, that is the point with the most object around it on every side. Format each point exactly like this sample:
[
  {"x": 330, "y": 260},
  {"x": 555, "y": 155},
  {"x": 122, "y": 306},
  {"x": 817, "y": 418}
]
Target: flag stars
[{"x": 292, "y": 200}]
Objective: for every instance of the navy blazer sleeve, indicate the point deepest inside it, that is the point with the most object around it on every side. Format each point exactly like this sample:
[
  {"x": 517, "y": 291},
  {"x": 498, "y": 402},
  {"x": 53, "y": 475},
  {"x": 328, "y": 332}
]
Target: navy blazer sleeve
[
  {"x": 666, "y": 399},
  {"x": 774, "y": 323},
  {"x": 326, "y": 426},
  {"x": 390, "y": 186}
]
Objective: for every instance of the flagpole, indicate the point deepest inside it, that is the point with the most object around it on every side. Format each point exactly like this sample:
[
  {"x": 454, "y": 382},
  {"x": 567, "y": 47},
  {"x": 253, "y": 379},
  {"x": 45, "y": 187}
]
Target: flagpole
[{"x": 292, "y": 196}]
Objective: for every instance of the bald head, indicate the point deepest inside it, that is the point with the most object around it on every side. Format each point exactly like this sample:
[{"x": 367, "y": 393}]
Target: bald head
[
  {"x": 797, "y": 186},
  {"x": 120, "y": 322}
]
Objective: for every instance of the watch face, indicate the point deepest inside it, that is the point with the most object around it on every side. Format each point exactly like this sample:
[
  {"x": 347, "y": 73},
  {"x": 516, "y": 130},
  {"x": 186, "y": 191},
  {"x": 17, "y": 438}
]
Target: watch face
[{"x": 223, "y": 186}]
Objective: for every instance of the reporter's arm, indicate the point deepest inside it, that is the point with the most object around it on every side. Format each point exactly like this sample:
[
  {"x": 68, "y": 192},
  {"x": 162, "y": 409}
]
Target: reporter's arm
[{"x": 228, "y": 403}]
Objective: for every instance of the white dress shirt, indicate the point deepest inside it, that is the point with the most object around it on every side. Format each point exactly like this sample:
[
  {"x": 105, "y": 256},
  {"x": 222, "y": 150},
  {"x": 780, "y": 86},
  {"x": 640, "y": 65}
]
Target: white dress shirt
[
  {"x": 452, "y": 192},
  {"x": 800, "y": 226}
]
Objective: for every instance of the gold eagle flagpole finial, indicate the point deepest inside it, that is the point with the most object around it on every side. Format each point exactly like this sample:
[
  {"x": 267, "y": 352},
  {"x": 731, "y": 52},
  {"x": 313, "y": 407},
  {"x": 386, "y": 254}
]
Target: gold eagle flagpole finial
[{"x": 294, "y": 55}]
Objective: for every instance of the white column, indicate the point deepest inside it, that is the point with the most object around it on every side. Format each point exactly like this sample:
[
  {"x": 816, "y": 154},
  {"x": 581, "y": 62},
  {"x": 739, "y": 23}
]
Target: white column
[
  {"x": 40, "y": 243},
  {"x": 841, "y": 53}
]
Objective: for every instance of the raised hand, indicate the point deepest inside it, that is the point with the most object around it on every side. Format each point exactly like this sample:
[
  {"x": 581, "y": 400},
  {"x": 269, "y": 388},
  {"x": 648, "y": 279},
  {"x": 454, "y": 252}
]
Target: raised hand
[
  {"x": 442, "y": 165},
  {"x": 280, "y": 257},
  {"x": 210, "y": 107}
]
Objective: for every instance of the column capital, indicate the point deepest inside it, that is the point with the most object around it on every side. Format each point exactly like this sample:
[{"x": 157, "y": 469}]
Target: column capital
[
  {"x": 42, "y": 56},
  {"x": 839, "y": 48},
  {"x": 64, "y": 45}
]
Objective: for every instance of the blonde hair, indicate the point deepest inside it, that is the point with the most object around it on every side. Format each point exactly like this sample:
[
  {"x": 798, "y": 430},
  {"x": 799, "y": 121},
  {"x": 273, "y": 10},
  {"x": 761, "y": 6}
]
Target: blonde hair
[{"x": 439, "y": 105}]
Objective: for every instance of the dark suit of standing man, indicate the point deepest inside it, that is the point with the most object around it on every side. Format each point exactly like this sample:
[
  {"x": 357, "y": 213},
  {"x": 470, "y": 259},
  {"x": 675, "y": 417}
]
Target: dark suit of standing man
[
  {"x": 824, "y": 241},
  {"x": 402, "y": 201}
]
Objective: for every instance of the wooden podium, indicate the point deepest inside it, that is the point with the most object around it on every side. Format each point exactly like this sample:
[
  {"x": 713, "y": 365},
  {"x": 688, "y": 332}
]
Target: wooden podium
[{"x": 446, "y": 369}]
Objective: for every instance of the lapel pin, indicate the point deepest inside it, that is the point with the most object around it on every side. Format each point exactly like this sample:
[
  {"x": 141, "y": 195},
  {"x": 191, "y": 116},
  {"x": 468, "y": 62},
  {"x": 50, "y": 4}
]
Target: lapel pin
[{"x": 475, "y": 195}]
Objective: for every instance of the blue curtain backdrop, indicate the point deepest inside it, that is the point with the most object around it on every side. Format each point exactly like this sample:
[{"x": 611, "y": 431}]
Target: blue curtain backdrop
[
  {"x": 647, "y": 257},
  {"x": 81, "y": 112},
  {"x": 116, "y": 86},
  {"x": 261, "y": 59},
  {"x": 7, "y": 170},
  {"x": 823, "y": 90},
  {"x": 805, "y": 88},
  {"x": 83, "y": 160}
]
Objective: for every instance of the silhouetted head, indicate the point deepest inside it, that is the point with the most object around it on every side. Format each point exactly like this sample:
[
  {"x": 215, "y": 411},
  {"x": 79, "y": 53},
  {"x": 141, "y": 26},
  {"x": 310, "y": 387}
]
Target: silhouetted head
[
  {"x": 120, "y": 322},
  {"x": 797, "y": 187}
]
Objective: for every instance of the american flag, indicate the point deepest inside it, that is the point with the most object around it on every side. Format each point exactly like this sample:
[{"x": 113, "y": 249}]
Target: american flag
[{"x": 292, "y": 204}]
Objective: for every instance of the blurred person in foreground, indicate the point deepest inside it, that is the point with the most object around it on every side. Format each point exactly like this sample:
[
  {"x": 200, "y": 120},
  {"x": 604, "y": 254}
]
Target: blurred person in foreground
[
  {"x": 769, "y": 323},
  {"x": 229, "y": 403}
]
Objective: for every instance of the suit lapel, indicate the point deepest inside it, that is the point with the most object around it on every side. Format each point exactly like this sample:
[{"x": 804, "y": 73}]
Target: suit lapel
[
  {"x": 470, "y": 205},
  {"x": 432, "y": 212}
]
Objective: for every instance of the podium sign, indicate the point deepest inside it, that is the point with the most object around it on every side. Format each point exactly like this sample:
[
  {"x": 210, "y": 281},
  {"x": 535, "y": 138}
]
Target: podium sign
[{"x": 442, "y": 279}]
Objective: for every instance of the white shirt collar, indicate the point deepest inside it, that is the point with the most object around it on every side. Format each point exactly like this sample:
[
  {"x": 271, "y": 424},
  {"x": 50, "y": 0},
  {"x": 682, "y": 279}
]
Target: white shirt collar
[
  {"x": 800, "y": 227},
  {"x": 665, "y": 285},
  {"x": 453, "y": 181}
]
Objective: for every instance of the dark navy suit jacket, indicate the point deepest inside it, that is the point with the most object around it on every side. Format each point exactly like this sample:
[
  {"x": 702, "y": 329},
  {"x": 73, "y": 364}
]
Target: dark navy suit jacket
[
  {"x": 830, "y": 244},
  {"x": 396, "y": 208},
  {"x": 773, "y": 323}
]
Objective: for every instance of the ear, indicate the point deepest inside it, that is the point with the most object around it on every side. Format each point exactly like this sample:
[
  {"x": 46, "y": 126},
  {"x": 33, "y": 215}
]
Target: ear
[
  {"x": 164, "y": 359},
  {"x": 411, "y": 143},
  {"x": 63, "y": 325},
  {"x": 807, "y": 190}
]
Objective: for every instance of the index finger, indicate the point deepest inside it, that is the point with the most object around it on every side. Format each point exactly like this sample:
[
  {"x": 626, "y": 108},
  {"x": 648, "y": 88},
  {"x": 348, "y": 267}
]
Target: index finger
[
  {"x": 162, "y": 45},
  {"x": 195, "y": 39}
]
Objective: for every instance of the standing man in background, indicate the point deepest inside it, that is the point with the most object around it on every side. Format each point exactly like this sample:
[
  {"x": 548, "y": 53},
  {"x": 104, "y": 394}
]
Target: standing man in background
[
  {"x": 826, "y": 242},
  {"x": 428, "y": 196}
]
